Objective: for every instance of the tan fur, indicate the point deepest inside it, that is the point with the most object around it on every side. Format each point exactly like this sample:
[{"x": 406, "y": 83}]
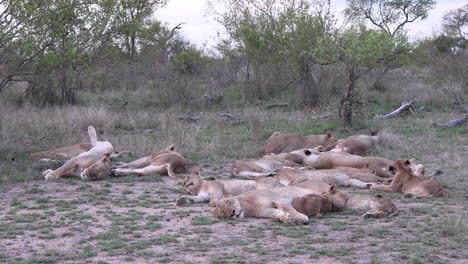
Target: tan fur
[
  {"x": 93, "y": 164},
  {"x": 292, "y": 176},
  {"x": 410, "y": 184},
  {"x": 331, "y": 160},
  {"x": 358, "y": 144},
  {"x": 365, "y": 174},
  {"x": 62, "y": 153},
  {"x": 373, "y": 207},
  {"x": 416, "y": 168},
  {"x": 165, "y": 162},
  {"x": 263, "y": 167},
  {"x": 267, "y": 203},
  {"x": 312, "y": 205},
  {"x": 279, "y": 142},
  {"x": 211, "y": 191}
]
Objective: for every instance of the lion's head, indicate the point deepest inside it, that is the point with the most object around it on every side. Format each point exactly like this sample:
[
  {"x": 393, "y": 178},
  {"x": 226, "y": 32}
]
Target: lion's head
[
  {"x": 193, "y": 183},
  {"x": 99, "y": 170},
  {"x": 228, "y": 208},
  {"x": 330, "y": 141},
  {"x": 416, "y": 168}
]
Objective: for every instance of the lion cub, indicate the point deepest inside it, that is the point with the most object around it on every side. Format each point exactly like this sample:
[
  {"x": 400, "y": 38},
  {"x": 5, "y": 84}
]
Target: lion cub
[
  {"x": 411, "y": 185},
  {"x": 211, "y": 191},
  {"x": 374, "y": 207}
]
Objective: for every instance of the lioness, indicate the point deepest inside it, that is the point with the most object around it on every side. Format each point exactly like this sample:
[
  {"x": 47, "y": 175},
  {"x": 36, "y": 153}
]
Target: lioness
[
  {"x": 312, "y": 205},
  {"x": 165, "y": 162},
  {"x": 263, "y": 167},
  {"x": 68, "y": 152},
  {"x": 93, "y": 164},
  {"x": 330, "y": 160},
  {"x": 357, "y": 144},
  {"x": 374, "y": 207},
  {"x": 211, "y": 191},
  {"x": 289, "y": 176},
  {"x": 286, "y": 142},
  {"x": 269, "y": 203},
  {"x": 410, "y": 184}
]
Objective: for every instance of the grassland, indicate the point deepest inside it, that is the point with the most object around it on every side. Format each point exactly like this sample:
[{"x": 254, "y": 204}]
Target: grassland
[{"x": 135, "y": 219}]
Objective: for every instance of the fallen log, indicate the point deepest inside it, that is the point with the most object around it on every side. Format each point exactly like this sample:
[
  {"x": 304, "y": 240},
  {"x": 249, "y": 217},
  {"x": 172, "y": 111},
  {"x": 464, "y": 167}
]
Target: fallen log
[
  {"x": 276, "y": 105},
  {"x": 405, "y": 106},
  {"x": 233, "y": 119},
  {"x": 189, "y": 118},
  {"x": 453, "y": 123}
]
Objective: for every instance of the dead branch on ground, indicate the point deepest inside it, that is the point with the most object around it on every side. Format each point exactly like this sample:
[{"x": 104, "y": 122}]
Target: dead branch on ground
[
  {"x": 403, "y": 109},
  {"x": 276, "y": 105},
  {"x": 453, "y": 123}
]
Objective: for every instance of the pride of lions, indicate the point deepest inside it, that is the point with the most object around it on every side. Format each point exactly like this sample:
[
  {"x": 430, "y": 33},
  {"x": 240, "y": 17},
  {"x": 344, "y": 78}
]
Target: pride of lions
[{"x": 297, "y": 177}]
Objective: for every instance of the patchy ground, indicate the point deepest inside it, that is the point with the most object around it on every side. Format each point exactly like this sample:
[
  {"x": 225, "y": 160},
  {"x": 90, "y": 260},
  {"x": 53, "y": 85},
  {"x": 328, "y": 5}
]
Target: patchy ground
[{"x": 135, "y": 219}]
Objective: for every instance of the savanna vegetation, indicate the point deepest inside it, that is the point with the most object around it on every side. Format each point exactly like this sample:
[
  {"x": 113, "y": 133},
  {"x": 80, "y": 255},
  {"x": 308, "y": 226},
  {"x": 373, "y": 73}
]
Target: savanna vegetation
[{"x": 67, "y": 64}]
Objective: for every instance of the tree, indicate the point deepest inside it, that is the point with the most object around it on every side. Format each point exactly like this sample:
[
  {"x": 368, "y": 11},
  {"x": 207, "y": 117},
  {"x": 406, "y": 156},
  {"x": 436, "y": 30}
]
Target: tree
[
  {"x": 279, "y": 37},
  {"x": 360, "y": 51},
  {"x": 456, "y": 22},
  {"x": 389, "y": 15},
  {"x": 54, "y": 40},
  {"x": 132, "y": 21}
]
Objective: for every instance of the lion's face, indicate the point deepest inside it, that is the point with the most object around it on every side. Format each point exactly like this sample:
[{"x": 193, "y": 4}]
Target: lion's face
[
  {"x": 192, "y": 183},
  {"x": 228, "y": 208},
  {"x": 98, "y": 171},
  {"x": 330, "y": 141}
]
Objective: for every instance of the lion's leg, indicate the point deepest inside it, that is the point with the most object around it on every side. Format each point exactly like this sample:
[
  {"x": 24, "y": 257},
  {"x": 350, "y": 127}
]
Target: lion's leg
[
  {"x": 151, "y": 169},
  {"x": 297, "y": 216},
  {"x": 358, "y": 184},
  {"x": 386, "y": 188},
  {"x": 275, "y": 213},
  {"x": 253, "y": 175},
  {"x": 200, "y": 198},
  {"x": 142, "y": 162},
  {"x": 374, "y": 214},
  {"x": 65, "y": 169}
]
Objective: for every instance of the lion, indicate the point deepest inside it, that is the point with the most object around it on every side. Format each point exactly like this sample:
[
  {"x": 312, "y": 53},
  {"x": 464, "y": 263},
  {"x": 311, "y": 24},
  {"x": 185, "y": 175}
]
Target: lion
[
  {"x": 330, "y": 160},
  {"x": 286, "y": 142},
  {"x": 68, "y": 152},
  {"x": 289, "y": 176},
  {"x": 312, "y": 205},
  {"x": 268, "y": 203},
  {"x": 374, "y": 207},
  {"x": 357, "y": 144},
  {"x": 93, "y": 164},
  {"x": 263, "y": 167},
  {"x": 164, "y": 162},
  {"x": 411, "y": 185},
  {"x": 416, "y": 168},
  {"x": 211, "y": 191}
]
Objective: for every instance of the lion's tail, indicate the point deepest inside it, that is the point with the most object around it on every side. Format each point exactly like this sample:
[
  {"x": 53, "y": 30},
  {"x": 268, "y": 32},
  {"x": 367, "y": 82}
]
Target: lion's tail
[
  {"x": 92, "y": 135},
  {"x": 171, "y": 172}
]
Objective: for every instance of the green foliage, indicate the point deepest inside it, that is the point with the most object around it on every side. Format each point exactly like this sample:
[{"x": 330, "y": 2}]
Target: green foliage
[{"x": 188, "y": 61}]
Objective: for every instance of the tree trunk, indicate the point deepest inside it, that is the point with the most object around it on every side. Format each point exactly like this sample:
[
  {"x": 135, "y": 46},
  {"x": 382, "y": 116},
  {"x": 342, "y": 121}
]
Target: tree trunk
[
  {"x": 346, "y": 101},
  {"x": 309, "y": 93}
]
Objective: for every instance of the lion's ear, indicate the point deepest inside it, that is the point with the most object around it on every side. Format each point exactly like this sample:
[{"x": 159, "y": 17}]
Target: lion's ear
[
  {"x": 391, "y": 168},
  {"x": 170, "y": 147},
  {"x": 228, "y": 202},
  {"x": 367, "y": 166},
  {"x": 196, "y": 171},
  {"x": 332, "y": 189},
  {"x": 329, "y": 134},
  {"x": 307, "y": 152}
]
